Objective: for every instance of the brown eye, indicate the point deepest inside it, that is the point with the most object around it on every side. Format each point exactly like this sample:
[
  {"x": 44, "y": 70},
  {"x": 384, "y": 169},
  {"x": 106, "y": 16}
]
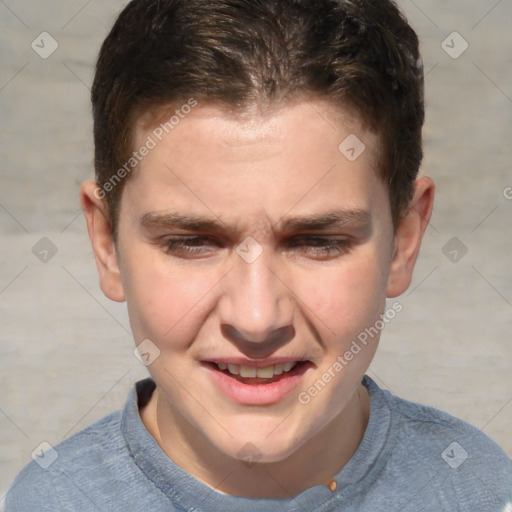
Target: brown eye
[
  {"x": 320, "y": 246},
  {"x": 188, "y": 246}
]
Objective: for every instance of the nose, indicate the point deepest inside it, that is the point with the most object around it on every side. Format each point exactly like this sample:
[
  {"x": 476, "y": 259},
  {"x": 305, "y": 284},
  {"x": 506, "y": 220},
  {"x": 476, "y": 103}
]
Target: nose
[{"x": 257, "y": 307}]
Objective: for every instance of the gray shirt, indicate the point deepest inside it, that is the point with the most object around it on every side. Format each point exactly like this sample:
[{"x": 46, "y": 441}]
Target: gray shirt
[{"x": 411, "y": 458}]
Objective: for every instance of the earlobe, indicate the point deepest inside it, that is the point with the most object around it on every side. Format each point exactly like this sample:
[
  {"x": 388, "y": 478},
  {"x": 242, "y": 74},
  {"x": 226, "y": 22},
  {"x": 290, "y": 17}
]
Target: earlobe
[
  {"x": 100, "y": 233},
  {"x": 408, "y": 237}
]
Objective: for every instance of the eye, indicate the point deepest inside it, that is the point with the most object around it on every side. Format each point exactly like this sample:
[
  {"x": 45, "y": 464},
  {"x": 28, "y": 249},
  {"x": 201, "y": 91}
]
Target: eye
[
  {"x": 201, "y": 246},
  {"x": 320, "y": 247},
  {"x": 188, "y": 246}
]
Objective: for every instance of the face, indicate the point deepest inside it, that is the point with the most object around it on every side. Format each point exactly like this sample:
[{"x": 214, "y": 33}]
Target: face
[{"x": 252, "y": 245}]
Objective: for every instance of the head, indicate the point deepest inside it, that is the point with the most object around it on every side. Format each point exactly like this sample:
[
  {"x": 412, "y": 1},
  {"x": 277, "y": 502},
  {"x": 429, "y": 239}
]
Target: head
[{"x": 231, "y": 213}]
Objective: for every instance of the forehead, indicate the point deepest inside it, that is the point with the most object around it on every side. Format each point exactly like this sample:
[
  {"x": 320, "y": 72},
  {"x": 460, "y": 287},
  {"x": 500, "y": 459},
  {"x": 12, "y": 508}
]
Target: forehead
[
  {"x": 255, "y": 125},
  {"x": 254, "y": 172},
  {"x": 266, "y": 159}
]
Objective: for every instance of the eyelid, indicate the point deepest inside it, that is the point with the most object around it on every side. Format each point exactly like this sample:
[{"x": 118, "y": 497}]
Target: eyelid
[
  {"x": 178, "y": 245},
  {"x": 218, "y": 241},
  {"x": 324, "y": 242},
  {"x": 184, "y": 239},
  {"x": 328, "y": 239}
]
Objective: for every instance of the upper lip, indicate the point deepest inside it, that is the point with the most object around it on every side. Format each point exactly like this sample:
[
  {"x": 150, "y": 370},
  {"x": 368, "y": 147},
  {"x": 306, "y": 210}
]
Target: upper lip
[{"x": 255, "y": 363}]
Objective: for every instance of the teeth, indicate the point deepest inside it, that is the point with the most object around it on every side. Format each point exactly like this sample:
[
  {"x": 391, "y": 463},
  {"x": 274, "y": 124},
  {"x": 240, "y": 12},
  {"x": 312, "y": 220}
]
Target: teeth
[
  {"x": 247, "y": 371},
  {"x": 288, "y": 366},
  {"x": 264, "y": 373},
  {"x": 278, "y": 369},
  {"x": 233, "y": 369}
]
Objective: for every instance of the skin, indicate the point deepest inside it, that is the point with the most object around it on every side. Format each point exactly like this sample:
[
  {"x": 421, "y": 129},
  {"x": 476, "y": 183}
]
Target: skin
[{"x": 249, "y": 172}]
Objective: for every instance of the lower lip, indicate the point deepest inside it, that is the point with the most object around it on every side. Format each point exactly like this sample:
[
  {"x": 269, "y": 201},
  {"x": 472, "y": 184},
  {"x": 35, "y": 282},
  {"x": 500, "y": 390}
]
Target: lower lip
[{"x": 257, "y": 394}]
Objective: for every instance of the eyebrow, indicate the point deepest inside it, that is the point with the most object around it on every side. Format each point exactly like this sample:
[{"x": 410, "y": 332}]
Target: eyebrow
[
  {"x": 353, "y": 218},
  {"x": 328, "y": 220}
]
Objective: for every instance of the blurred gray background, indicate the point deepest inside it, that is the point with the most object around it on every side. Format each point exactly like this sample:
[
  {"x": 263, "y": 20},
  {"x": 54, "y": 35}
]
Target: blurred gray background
[{"x": 66, "y": 351}]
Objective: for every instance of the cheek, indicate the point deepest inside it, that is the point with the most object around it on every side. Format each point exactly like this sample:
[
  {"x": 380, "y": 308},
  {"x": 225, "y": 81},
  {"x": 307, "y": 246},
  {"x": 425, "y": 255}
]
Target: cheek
[
  {"x": 349, "y": 298},
  {"x": 164, "y": 300}
]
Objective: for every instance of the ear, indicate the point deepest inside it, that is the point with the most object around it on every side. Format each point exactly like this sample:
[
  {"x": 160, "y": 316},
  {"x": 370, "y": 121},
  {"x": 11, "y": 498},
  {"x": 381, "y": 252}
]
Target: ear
[
  {"x": 100, "y": 233},
  {"x": 408, "y": 237}
]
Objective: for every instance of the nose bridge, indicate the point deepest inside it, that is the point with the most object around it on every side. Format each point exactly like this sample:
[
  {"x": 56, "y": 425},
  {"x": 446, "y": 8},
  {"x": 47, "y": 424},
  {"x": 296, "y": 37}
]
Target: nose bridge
[{"x": 256, "y": 302}]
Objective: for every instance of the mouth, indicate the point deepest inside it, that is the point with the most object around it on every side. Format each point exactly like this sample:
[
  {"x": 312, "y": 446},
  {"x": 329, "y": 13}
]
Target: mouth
[
  {"x": 256, "y": 383},
  {"x": 251, "y": 374}
]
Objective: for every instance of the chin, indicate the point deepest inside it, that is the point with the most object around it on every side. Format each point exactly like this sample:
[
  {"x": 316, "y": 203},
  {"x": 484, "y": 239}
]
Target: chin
[{"x": 259, "y": 449}]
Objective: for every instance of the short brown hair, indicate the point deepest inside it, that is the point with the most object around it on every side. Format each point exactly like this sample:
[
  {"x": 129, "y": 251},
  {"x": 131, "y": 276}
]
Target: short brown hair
[{"x": 357, "y": 53}]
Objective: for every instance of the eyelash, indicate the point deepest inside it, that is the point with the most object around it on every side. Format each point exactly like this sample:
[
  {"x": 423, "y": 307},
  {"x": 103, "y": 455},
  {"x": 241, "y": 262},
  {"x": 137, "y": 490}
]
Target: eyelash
[{"x": 321, "y": 246}]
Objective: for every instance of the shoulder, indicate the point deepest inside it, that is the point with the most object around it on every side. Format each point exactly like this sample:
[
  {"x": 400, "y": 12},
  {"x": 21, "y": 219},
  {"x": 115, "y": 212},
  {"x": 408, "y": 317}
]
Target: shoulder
[
  {"x": 459, "y": 461},
  {"x": 435, "y": 428},
  {"x": 42, "y": 483}
]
